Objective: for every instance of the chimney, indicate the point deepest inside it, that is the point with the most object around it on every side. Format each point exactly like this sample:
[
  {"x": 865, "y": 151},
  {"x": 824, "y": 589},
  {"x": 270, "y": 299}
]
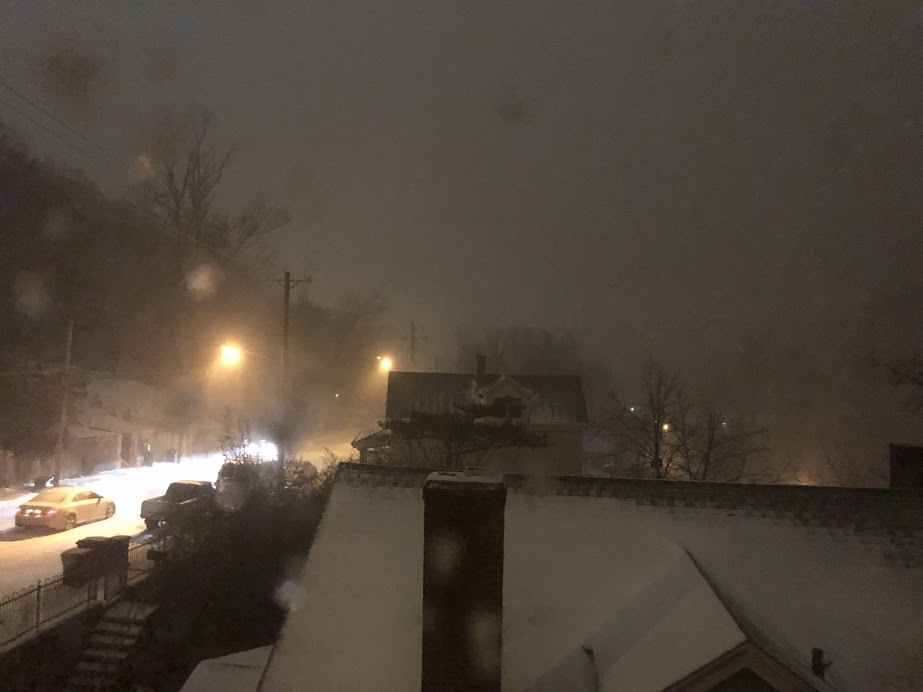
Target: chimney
[
  {"x": 463, "y": 520},
  {"x": 480, "y": 368},
  {"x": 906, "y": 466},
  {"x": 818, "y": 664}
]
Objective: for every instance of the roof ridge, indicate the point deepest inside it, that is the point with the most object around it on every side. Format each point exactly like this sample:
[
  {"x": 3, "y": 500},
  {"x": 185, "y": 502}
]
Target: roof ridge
[
  {"x": 487, "y": 374},
  {"x": 755, "y": 634},
  {"x": 858, "y": 509}
]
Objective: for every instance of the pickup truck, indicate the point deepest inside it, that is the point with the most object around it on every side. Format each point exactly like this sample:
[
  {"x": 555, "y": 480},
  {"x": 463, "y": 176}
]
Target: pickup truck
[{"x": 183, "y": 504}]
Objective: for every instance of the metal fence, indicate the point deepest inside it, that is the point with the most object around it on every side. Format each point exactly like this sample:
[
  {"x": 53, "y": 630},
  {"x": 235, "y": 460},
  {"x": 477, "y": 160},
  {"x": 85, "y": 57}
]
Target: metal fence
[{"x": 35, "y": 609}]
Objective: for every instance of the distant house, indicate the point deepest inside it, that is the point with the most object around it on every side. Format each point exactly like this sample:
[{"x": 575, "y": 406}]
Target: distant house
[
  {"x": 138, "y": 413},
  {"x": 114, "y": 424},
  {"x": 550, "y": 407},
  {"x": 88, "y": 450},
  {"x": 454, "y": 580}
]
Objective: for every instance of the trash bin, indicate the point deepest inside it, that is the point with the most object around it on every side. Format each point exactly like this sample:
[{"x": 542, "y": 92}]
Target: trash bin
[
  {"x": 118, "y": 549},
  {"x": 78, "y": 566},
  {"x": 93, "y": 543},
  {"x": 99, "y": 546}
]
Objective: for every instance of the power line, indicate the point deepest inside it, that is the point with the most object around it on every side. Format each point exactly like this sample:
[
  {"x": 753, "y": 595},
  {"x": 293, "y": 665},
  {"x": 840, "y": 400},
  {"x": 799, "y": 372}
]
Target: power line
[
  {"x": 43, "y": 126},
  {"x": 184, "y": 234},
  {"x": 83, "y": 151},
  {"x": 6, "y": 85}
]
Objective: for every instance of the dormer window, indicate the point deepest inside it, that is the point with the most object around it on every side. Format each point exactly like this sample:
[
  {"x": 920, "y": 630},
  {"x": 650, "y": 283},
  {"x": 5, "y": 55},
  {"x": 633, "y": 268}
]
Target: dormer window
[
  {"x": 504, "y": 397},
  {"x": 508, "y": 406}
]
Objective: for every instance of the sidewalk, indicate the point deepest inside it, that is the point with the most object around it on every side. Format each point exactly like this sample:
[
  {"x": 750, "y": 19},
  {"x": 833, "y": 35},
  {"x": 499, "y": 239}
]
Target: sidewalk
[{"x": 7, "y": 493}]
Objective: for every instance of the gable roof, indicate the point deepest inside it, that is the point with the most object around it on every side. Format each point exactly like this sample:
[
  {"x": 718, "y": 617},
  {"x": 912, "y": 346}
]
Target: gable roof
[
  {"x": 238, "y": 671},
  {"x": 626, "y": 650},
  {"x": 789, "y": 567},
  {"x": 555, "y": 399}
]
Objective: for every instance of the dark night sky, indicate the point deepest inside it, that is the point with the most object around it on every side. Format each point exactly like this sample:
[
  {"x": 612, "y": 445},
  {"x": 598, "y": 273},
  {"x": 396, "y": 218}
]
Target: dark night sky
[{"x": 649, "y": 174}]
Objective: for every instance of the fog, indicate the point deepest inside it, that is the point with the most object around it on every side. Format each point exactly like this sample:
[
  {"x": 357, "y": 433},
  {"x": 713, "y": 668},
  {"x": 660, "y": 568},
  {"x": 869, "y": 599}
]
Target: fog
[{"x": 732, "y": 188}]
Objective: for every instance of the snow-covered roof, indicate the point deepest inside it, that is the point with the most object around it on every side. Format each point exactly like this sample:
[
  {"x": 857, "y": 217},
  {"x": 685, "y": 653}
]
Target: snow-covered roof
[
  {"x": 627, "y": 649},
  {"x": 447, "y": 479},
  {"x": 239, "y": 672},
  {"x": 655, "y": 578},
  {"x": 553, "y": 399}
]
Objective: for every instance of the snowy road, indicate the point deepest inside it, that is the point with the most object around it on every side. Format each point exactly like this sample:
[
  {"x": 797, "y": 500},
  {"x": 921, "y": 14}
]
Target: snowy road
[{"x": 26, "y": 557}]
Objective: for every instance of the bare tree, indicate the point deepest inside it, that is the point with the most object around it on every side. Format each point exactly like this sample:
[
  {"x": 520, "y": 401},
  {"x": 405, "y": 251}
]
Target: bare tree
[
  {"x": 710, "y": 447},
  {"x": 905, "y": 374},
  {"x": 666, "y": 435},
  {"x": 70, "y": 74},
  {"x": 188, "y": 168},
  {"x": 640, "y": 428},
  {"x": 844, "y": 472}
]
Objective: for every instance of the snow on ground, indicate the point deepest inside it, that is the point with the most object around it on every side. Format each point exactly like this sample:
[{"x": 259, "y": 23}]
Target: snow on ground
[{"x": 26, "y": 557}]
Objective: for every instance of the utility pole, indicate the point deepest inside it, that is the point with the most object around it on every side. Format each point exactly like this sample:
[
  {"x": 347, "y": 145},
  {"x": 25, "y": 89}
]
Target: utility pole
[
  {"x": 287, "y": 283},
  {"x": 65, "y": 402},
  {"x": 411, "y": 340}
]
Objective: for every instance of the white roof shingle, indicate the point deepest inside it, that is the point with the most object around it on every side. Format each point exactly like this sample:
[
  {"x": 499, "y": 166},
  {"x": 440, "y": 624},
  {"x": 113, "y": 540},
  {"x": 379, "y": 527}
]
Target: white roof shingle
[{"x": 655, "y": 578}]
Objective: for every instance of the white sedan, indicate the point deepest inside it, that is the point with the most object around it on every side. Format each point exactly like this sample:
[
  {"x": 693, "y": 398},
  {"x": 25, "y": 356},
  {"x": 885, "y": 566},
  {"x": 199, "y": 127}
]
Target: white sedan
[{"x": 63, "y": 508}]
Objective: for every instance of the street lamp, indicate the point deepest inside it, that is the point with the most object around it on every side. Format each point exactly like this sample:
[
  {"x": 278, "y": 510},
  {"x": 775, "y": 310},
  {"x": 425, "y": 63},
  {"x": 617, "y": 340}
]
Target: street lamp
[
  {"x": 385, "y": 363},
  {"x": 230, "y": 355}
]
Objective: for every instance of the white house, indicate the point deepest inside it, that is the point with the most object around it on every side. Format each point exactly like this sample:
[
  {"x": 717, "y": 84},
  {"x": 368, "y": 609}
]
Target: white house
[
  {"x": 550, "y": 407},
  {"x": 419, "y": 580}
]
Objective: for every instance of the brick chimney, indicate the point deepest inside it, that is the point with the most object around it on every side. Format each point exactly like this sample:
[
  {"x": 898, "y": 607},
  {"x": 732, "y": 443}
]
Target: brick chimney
[
  {"x": 906, "y": 466},
  {"x": 463, "y": 520},
  {"x": 480, "y": 368}
]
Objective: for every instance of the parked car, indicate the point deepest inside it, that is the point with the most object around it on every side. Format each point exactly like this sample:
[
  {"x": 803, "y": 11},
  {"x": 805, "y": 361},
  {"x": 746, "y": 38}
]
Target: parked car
[
  {"x": 63, "y": 508},
  {"x": 183, "y": 504}
]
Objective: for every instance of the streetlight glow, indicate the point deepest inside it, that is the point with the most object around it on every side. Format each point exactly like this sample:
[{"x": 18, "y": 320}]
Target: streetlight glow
[
  {"x": 230, "y": 355},
  {"x": 666, "y": 427},
  {"x": 384, "y": 363}
]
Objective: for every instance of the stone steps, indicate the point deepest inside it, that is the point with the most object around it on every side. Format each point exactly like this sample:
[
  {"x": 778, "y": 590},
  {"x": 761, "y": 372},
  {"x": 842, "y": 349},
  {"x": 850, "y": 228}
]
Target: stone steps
[
  {"x": 119, "y": 629},
  {"x": 109, "y": 647},
  {"x": 117, "y": 642}
]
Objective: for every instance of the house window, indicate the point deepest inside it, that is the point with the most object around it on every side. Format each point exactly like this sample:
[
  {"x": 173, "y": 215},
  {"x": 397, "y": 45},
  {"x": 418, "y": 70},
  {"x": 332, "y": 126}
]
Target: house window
[
  {"x": 508, "y": 406},
  {"x": 744, "y": 680}
]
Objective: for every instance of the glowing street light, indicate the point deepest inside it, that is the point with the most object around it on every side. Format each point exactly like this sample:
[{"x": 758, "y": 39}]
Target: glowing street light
[
  {"x": 385, "y": 363},
  {"x": 665, "y": 427},
  {"x": 230, "y": 355}
]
